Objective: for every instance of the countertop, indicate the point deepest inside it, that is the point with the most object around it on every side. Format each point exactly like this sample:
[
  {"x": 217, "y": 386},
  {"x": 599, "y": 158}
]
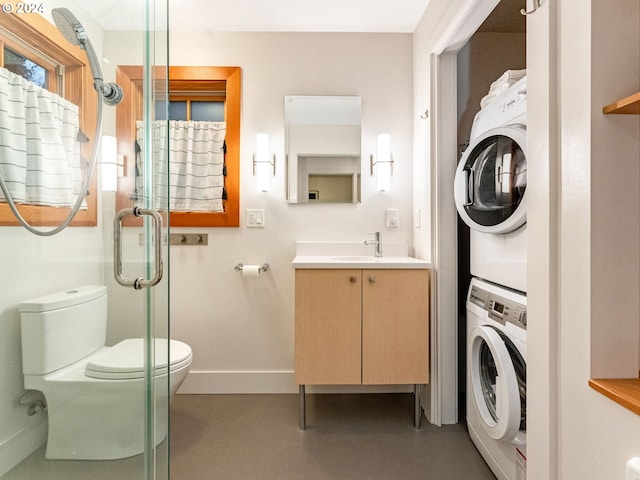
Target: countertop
[{"x": 358, "y": 262}]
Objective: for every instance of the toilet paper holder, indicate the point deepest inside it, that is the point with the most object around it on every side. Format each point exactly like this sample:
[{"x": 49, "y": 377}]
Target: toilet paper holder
[{"x": 263, "y": 268}]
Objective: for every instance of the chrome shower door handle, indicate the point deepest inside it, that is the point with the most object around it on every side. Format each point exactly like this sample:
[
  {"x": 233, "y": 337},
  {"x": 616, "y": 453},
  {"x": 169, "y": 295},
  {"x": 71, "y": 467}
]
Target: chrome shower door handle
[{"x": 138, "y": 283}]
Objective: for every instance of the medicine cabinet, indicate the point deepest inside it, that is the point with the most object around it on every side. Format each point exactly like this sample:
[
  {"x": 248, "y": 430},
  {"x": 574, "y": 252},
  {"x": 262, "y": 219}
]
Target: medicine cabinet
[{"x": 323, "y": 148}]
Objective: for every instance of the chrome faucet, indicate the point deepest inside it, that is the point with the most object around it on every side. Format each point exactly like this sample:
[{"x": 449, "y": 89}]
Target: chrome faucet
[{"x": 377, "y": 242}]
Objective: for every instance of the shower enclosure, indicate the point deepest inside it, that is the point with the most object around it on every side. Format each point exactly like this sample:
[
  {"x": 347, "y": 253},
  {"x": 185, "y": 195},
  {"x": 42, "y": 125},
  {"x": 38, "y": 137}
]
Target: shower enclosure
[{"x": 71, "y": 51}]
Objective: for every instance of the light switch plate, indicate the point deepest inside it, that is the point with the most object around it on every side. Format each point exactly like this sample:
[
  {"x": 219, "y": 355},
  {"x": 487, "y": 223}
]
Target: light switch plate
[
  {"x": 393, "y": 218},
  {"x": 255, "y": 218}
]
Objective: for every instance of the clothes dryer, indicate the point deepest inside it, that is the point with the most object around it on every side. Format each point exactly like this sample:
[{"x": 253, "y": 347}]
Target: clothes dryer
[
  {"x": 497, "y": 377},
  {"x": 490, "y": 189}
]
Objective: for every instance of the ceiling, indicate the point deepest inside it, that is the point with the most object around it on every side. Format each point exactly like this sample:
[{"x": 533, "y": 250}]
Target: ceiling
[
  {"x": 399, "y": 16},
  {"x": 267, "y": 15}
]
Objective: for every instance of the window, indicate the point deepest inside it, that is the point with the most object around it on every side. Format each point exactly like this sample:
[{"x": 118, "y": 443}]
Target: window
[
  {"x": 195, "y": 93},
  {"x": 27, "y": 68},
  {"x": 32, "y": 47},
  {"x": 197, "y": 109}
]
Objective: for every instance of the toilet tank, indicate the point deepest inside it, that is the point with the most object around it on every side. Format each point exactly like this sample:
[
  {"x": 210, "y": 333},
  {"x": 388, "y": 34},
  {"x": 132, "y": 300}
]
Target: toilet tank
[{"x": 62, "y": 328}]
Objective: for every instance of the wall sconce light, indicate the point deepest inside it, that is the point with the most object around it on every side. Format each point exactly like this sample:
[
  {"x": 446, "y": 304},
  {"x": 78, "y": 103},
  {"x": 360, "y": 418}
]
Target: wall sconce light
[
  {"x": 263, "y": 166},
  {"x": 384, "y": 163},
  {"x": 111, "y": 164}
]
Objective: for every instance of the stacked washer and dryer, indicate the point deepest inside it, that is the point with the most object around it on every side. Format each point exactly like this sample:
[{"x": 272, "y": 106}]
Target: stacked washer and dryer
[{"x": 490, "y": 195}]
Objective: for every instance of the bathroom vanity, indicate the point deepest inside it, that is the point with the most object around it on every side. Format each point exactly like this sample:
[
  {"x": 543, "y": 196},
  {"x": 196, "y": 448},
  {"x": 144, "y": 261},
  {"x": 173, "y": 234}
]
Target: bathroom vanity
[{"x": 361, "y": 320}]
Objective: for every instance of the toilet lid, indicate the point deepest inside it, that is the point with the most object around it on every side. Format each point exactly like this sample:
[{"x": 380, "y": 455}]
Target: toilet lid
[{"x": 125, "y": 360}]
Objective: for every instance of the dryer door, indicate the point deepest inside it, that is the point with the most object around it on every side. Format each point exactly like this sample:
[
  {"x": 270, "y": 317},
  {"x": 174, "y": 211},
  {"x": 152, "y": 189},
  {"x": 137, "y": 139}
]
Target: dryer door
[
  {"x": 496, "y": 388},
  {"x": 491, "y": 181}
]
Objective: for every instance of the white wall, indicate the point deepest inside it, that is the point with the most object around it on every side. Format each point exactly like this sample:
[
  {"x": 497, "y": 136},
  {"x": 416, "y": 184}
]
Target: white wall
[
  {"x": 34, "y": 266},
  {"x": 241, "y": 330},
  {"x": 584, "y": 230},
  {"x": 599, "y": 249}
]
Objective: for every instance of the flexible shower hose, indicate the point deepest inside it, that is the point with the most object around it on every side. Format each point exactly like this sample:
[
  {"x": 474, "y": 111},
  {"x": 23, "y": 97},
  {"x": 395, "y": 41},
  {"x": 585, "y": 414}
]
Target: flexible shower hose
[{"x": 83, "y": 190}]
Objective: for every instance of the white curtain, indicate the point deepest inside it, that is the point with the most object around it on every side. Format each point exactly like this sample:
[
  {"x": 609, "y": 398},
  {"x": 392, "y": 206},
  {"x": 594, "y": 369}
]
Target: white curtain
[
  {"x": 196, "y": 165},
  {"x": 39, "y": 151}
]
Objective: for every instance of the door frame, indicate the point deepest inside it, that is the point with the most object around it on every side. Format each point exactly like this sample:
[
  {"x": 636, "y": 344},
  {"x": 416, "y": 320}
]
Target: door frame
[
  {"x": 441, "y": 405},
  {"x": 543, "y": 143}
]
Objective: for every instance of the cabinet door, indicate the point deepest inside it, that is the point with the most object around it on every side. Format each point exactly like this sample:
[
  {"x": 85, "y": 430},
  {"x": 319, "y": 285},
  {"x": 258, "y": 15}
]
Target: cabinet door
[
  {"x": 395, "y": 327},
  {"x": 328, "y": 326}
]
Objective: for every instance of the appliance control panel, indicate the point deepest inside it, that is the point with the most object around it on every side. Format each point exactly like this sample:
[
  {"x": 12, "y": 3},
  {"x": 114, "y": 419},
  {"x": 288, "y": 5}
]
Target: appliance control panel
[
  {"x": 498, "y": 308},
  {"x": 503, "y": 310}
]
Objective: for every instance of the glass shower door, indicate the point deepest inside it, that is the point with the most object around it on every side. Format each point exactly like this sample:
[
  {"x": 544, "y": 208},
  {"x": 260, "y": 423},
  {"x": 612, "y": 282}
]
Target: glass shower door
[
  {"x": 153, "y": 197},
  {"x": 141, "y": 245},
  {"x": 83, "y": 253}
]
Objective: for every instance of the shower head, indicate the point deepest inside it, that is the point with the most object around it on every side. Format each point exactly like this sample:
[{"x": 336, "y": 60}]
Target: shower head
[
  {"x": 69, "y": 26},
  {"x": 74, "y": 33}
]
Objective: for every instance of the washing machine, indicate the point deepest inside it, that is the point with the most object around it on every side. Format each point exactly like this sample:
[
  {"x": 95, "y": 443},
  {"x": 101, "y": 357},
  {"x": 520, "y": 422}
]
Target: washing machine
[
  {"x": 497, "y": 377},
  {"x": 490, "y": 189}
]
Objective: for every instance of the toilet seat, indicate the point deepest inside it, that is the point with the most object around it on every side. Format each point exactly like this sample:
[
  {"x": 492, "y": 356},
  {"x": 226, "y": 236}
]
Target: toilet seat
[{"x": 125, "y": 360}]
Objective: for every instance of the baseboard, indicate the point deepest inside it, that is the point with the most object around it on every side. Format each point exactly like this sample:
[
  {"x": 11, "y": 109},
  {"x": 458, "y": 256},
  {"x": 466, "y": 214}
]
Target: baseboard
[
  {"x": 236, "y": 382},
  {"x": 22, "y": 444}
]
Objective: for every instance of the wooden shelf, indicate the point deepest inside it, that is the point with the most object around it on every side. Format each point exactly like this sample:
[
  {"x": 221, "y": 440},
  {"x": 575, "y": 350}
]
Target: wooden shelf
[
  {"x": 626, "y": 106},
  {"x": 625, "y": 391}
]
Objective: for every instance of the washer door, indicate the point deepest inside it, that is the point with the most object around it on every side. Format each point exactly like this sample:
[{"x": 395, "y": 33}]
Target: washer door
[
  {"x": 491, "y": 181},
  {"x": 498, "y": 388}
]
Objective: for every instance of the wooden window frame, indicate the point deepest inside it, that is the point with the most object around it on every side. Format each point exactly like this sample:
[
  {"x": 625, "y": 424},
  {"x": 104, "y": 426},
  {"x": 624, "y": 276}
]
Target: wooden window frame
[
  {"x": 43, "y": 36},
  {"x": 182, "y": 79},
  {"x": 52, "y": 70}
]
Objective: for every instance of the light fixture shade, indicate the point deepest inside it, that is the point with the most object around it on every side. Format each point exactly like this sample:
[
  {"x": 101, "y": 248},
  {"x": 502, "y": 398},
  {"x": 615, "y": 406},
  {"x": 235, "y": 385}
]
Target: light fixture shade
[
  {"x": 109, "y": 163},
  {"x": 384, "y": 162},
  {"x": 262, "y": 163}
]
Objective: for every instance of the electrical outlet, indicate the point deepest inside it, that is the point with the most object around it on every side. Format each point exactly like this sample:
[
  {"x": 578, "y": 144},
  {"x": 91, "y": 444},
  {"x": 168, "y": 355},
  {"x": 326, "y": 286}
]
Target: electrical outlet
[
  {"x": 633, "y": 469},
  {"x": 393, "y": 218}
]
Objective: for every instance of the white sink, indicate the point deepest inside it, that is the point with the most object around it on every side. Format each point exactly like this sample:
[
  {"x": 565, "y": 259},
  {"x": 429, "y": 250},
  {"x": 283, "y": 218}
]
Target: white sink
[
  {"x": 354, "y": 255},
  {"x": 354, "y": 258}
]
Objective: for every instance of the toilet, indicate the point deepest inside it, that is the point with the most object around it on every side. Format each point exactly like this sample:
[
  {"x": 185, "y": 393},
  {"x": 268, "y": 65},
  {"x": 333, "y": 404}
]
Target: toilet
[{"x": 94, "y": 393}]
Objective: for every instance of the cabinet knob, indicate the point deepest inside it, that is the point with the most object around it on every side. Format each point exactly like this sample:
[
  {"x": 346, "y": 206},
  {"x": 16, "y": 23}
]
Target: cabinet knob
[
  {"x": 372, "y": 279},
  {"x": 352, "y": 279}
]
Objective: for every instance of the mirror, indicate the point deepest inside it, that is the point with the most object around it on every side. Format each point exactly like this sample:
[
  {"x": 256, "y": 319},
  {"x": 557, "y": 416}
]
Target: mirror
[{"x": 322, "y": 143}]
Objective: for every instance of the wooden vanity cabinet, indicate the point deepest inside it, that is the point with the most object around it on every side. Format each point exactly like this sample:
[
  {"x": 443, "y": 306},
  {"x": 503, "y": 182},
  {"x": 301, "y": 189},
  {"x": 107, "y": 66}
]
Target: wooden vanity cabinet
[
  {"x": 395, "y": 327},
  {"x": 368, "y": 326},
  {"x": 328, "y": 312}
]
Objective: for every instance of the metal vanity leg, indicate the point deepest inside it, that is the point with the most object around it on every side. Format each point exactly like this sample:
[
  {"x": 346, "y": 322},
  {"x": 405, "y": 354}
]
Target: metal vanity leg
[
  {"x": 301, "y": 394},
  {"x": 417, "y": 413}
]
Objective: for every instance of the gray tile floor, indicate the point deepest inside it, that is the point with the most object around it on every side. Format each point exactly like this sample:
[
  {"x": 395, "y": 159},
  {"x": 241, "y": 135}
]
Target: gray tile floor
[
  {"x": 36, "y": 467},
  {"x": 347, "y": 437},
  {"x": 242, "y": 437}
]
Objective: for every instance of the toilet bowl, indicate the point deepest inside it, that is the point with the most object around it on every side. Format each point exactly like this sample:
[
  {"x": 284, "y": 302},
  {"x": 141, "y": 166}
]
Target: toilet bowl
[{"x": 95, "y": 394}]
